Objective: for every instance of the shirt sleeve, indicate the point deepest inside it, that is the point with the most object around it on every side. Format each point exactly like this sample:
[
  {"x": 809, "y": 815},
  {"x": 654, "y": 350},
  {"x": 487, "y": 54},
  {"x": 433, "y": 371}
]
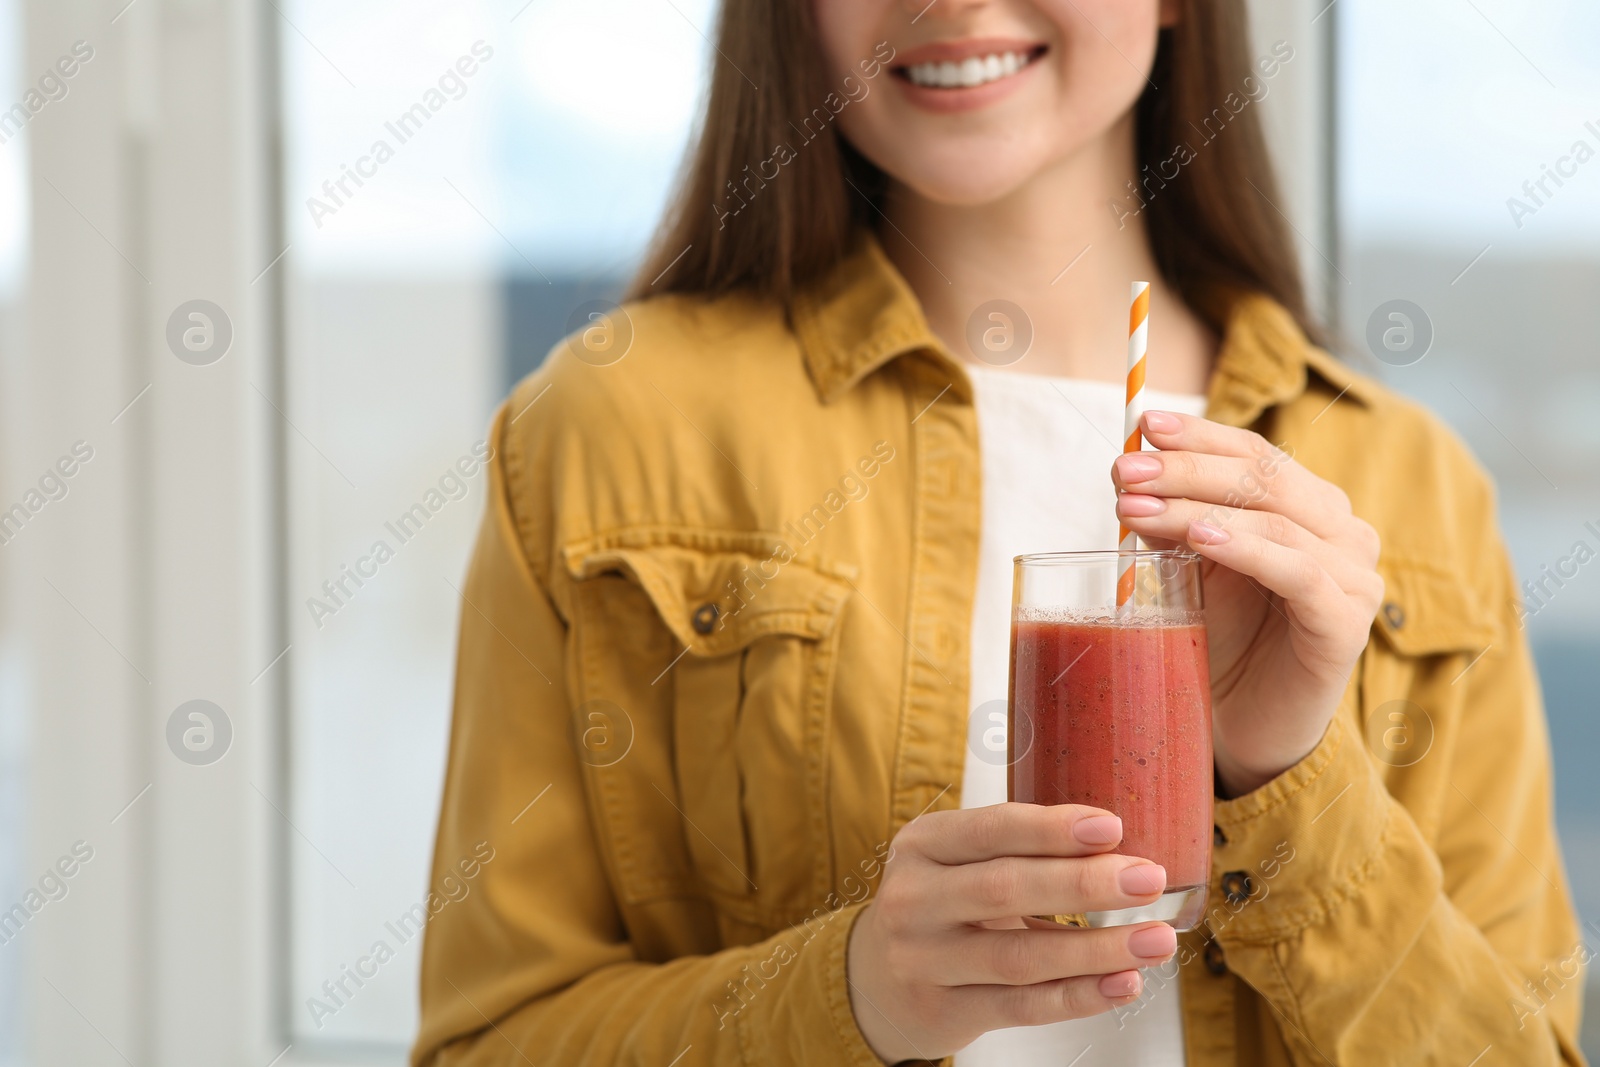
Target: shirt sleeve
[
  {"x": 532, "y": 963},
  {"x": 1375, "y": 942}
]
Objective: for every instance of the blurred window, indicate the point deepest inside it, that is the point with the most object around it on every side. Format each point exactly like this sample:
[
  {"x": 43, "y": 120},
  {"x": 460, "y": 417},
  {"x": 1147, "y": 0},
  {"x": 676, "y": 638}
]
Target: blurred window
[
  {"x": 1469, "y": 150},
  {"x": 459, "y": 178}
]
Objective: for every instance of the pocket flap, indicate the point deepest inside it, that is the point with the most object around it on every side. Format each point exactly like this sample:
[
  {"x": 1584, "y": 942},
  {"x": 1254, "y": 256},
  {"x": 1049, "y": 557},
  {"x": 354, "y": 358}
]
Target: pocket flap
[
  {"x": 1427, "y": 610},
  {"x": 718, "y": 591}
]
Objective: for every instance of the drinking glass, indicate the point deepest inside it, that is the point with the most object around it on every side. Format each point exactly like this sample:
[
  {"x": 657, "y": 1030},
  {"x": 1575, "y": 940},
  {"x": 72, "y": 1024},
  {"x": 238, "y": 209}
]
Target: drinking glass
[{"x": 1110, "y": 706}]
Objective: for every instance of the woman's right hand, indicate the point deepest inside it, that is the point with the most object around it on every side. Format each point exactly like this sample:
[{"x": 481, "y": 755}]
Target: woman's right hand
[{"x": 932, "y": 962}]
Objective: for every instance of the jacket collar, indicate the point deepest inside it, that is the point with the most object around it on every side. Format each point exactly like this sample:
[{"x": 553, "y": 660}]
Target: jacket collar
[
  {"x": 863, "y": 314},
  {"x": 858, "y": 317}
]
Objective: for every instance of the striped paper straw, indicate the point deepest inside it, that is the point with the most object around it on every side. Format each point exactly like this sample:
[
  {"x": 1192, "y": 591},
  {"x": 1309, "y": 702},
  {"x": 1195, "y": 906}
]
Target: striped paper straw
[{"x": 1138, "y": 338}]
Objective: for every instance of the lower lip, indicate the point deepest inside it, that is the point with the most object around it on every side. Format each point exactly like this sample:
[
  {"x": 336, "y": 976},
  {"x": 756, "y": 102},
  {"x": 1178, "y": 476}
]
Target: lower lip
[{"x": 948, "y": 101}]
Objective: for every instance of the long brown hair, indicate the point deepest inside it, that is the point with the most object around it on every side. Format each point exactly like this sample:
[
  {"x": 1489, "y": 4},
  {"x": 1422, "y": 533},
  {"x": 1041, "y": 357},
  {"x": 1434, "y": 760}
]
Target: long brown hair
[{"x": 1205, "y": 180}]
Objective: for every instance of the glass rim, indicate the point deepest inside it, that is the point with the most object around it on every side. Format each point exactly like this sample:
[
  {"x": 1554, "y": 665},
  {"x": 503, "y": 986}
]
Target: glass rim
[{"x": 1102, "y": 555}]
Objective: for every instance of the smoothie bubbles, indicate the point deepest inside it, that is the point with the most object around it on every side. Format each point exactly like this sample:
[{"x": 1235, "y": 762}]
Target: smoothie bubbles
[{"x": 1110, "y": 693}]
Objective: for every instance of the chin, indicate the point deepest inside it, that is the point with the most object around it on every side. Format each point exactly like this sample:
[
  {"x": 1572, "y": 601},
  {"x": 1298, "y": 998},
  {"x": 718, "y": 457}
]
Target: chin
[
  {"x": 961, "y": 187},
  {"x": 966, "y": 171}
]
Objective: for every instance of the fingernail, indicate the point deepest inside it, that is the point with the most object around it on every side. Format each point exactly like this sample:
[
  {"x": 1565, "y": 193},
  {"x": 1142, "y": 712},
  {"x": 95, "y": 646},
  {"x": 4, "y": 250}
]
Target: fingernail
[
  {"x": 1121, "y": 984},
  {"x": 1098, "y": 830},
  {"x": 1140, "y": 506},
  {"x": 1206, "y": 534},
  {"x": 1154, "y": 942},
  {"x": 1138, "y": 467},
  {"x": 1161, "y": 422},
  {"x": 1144, "y": 880}
]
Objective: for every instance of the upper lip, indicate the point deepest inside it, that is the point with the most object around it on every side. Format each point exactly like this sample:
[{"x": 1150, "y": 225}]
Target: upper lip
[{"x": 956, "y": 51}]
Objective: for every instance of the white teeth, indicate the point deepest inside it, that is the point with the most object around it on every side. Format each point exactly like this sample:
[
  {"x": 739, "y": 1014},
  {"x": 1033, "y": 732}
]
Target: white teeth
[{"x": 970, "y": 72}]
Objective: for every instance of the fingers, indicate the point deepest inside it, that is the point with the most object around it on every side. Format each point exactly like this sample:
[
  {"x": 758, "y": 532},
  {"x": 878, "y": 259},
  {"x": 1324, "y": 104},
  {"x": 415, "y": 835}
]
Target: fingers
[
  {"x": 972, "y": 835},
  {"x": 1010, "y": 886},
  {"x": 1225, "y": 465},
  {"x": 1321, "y": 608},
  {"x": 925, "y": 973},
  {"x": 1051, "y": 1002},
  {"x": 1027, "y": 957},
  {"x": 1226, "y": 481},
  {"x": 1160, "y": 520},
  {"x": 1202, "y": 435}
]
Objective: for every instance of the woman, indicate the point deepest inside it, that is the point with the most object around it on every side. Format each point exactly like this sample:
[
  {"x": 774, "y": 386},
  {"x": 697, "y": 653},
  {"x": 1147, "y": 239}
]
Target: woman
[{"x": 742, "y": 584}]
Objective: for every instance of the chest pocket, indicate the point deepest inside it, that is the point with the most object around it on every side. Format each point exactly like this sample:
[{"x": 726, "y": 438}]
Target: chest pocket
[
  {"x": 716, "y": 657},
  {"x": 1427, "y": 610},
  {"x": 1428, "y": 637}
]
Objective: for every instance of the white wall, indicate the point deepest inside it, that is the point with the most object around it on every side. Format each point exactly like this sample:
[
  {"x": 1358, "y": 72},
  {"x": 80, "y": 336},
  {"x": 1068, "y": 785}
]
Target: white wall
[{"x": 149, "y": 585}]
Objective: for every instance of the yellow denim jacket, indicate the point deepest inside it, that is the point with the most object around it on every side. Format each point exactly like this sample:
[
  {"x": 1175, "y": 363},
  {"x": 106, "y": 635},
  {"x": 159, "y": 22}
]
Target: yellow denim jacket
[{"x": 714, "y": 654}]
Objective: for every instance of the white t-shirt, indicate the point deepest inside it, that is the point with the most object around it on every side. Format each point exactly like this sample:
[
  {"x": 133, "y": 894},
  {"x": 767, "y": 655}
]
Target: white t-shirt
[{"x": 1047, "y": 446}]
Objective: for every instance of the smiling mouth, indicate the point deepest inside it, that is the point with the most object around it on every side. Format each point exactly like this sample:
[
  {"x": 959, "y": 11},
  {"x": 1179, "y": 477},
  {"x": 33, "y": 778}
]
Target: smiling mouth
[{"x": 971, "y": 72}]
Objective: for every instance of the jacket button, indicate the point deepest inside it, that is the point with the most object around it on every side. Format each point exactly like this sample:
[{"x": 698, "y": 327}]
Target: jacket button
[
  {"x": 1395, "y": 614},
  {"x": 1218, "y": 838},
  {"x": 705, "y": 618},
  {"x": 1216, "y": 963},
  {"x": 1236, "y": 887}
]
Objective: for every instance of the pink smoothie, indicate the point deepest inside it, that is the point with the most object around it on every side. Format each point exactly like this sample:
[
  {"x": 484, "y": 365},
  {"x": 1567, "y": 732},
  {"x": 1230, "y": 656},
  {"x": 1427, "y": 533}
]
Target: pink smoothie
[{"x": 1120, "y": 719}]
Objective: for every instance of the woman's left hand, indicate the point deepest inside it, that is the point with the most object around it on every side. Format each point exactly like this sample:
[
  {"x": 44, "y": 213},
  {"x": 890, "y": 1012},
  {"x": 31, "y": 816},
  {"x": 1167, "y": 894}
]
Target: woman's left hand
[{"x": 1290, "y": 582}]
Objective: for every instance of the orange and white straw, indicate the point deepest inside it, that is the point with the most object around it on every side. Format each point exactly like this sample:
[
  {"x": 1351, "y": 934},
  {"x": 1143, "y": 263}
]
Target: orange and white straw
[{"x": 1138, "y": 340}]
